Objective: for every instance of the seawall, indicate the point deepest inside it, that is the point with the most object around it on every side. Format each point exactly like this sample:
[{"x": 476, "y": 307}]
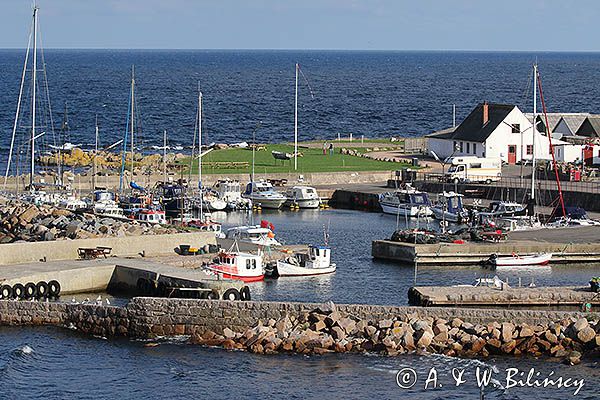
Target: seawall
[{"x": 309, "y": 328}]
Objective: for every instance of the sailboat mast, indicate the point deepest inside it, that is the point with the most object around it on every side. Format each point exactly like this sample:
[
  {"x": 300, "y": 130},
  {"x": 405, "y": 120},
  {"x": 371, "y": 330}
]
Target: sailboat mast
[
  {"x": 534, "y": 132},
  {"x": 132, "y": 115},
  {"x": 95, "y": 157},
  {"x": 33, "y": 94},
  {"x": 296, "y": 122},
  {"x": 165, "y": 156},
  {"x": 200, "y": 154}
]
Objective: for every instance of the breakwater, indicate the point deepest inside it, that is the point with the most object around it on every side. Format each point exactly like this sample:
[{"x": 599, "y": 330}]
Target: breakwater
[{"x": 308, "y": 328}]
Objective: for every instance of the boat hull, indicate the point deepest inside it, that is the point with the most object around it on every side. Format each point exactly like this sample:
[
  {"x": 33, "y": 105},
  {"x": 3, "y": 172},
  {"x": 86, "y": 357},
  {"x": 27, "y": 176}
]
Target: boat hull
[
  {"x": 523, "y": 261},
  {"x": 405, "y": 210},
  {"x": 274, "y": 204},
  {"x": 286, "y": 269},
  {"x": 304, "y": 203}
]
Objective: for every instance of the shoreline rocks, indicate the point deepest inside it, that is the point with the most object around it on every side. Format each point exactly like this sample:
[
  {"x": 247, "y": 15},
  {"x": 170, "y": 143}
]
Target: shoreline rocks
[{"x": 329, "y": 331}]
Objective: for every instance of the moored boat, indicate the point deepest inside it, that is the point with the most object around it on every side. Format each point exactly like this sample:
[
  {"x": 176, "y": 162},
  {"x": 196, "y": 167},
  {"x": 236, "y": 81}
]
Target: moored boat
[
  {"x": 317, "y": 261},
  {"x": 303, "y": 196},
  {"x": 237, "y": 265},
  {"x": 262, "y": 193},
  {"x": 520, "y": 261},
  {"x": 253, "y": 234},
  {"x": 449, "y": 207},
  {"x": 407, "y": 202}
]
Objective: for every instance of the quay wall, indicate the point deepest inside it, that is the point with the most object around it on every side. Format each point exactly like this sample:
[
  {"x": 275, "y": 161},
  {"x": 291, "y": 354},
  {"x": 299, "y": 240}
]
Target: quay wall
[
  {"x": 147, "y": 317},
  {"x": 24, "y": 252}
]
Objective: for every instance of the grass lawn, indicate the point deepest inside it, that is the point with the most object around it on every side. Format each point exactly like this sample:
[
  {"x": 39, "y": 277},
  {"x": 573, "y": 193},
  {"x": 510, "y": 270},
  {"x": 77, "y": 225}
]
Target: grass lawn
[{"x": 313, "y": 160}]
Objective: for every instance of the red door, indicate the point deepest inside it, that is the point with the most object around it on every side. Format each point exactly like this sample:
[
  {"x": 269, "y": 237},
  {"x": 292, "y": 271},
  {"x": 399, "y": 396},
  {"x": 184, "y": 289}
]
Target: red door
[
  {"x": 512, "y": 154},
  {"x": 588, "y": 154}
]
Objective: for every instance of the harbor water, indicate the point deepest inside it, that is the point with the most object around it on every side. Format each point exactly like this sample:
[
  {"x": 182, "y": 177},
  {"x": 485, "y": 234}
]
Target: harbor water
[{"x": 56, "y": 363}]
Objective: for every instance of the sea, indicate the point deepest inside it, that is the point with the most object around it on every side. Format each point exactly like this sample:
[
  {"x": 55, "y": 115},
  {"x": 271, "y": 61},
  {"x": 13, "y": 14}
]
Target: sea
[
  {"x": 57, "y": 363},
  {"x": 375, "y": 94},
  {"x": 363, "y": 93}
]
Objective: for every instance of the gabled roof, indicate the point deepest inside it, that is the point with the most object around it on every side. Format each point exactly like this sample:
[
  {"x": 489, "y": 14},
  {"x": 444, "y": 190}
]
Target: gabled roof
[
  {"x": 443, "y": 134},
  {"x": 553, "y": 120},
  {"x": 472, "y": 128},
  {"x": 590, "y": 127},
  {"x": 574, "y": 121}
]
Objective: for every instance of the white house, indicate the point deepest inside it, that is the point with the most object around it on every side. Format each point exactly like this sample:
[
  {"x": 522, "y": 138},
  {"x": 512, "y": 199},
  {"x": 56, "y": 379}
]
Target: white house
[{"x": 495, "y": 131}]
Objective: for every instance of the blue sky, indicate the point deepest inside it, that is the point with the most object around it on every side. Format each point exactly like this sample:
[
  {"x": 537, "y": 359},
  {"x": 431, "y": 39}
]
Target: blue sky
[{"x": 538, "y": 25}]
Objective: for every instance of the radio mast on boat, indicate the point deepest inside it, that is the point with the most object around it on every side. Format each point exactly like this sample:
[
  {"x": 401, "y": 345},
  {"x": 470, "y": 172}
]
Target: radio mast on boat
[{"x": 296, "y": 122}]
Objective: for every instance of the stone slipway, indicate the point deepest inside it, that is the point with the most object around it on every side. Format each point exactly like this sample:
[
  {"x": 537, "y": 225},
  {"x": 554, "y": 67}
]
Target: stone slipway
[{"x": 568, "y": 246}]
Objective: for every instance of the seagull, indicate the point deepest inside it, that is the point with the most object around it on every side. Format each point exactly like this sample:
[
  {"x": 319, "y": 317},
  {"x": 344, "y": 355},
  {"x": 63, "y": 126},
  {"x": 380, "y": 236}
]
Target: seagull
[{"x": 107, "y": 302}]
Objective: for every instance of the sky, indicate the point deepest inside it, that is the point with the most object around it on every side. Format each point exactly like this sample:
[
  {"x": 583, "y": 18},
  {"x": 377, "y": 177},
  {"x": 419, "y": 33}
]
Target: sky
[{"x": 516, "y": 25}]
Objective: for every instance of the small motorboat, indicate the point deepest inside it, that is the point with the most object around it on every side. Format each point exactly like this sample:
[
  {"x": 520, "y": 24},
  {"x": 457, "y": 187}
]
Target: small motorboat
[
  {"x": 317, "y": 261},
  {"x": 449, "y": 207},
  {"x": 261, "y": 235},
  {"x": 519, "y": 261},
  {"x": 230, "y": 192},
  {"x": 262, "y": 193},
  {"x": 150, "y": 216},
  {"x": 408, "y": 202},
  {"x": 237, "y": 265},
  {"x": 303, "y": 196}
]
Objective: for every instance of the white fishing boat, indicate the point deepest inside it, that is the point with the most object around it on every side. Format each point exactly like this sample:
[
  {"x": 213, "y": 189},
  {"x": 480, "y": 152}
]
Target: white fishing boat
[
  {"x": 73, "y": 203},
  {"x": 105, "y": 204},
  {"x": 303, "y": 196},
  {"x": 516, "y": 260},
  {"x": 262, "y": 193},
  {"x": 152, "y": 217},
  {"x": 408, "y": 202},
  {"x": 237, "y": 265},
  {"x": 253, "y": 234},
  {"x": 231, "y": 193},
  {"x": 317, "y": 261},
  {"x": 449, "y": 207}
]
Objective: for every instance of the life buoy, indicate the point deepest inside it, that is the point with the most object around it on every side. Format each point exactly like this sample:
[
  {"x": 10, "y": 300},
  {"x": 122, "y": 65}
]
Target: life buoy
[{"x": 54, "y": 288}]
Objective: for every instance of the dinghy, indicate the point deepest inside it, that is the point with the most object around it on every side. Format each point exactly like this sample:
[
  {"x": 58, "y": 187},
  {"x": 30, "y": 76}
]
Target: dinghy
[{"x": 520, "y": 261}]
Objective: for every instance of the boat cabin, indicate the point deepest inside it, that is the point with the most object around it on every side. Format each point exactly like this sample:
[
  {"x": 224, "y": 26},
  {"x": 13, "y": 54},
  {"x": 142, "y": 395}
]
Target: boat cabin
[{"x": 302, "y": 192}]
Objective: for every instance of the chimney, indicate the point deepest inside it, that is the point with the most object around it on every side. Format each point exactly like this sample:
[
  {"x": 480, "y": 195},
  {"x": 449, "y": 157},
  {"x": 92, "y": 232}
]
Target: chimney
[{"x": 486, "y": 116}]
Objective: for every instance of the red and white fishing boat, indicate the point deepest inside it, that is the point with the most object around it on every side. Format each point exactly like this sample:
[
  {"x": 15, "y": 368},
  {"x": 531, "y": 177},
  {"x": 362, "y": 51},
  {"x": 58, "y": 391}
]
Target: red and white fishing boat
[
  {"x": 150, "y": 216},
  {"x": 237, "y": 265},
  {"x": 520, "y": 261}
]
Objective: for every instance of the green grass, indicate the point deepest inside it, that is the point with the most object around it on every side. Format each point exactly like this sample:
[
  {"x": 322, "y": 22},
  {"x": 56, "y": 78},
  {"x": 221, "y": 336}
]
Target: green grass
[{"x": 313, "y": 160}]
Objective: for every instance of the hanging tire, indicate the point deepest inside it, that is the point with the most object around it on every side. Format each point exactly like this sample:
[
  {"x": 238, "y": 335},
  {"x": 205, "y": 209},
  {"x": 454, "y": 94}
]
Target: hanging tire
[
  {"x": 245, "y": 293},
  {"x": 53, "y": 288},
  {"x": 6, "y": 292},
  {"x": 212, "y": 296},
  {"x": 18, "y": 291},
  {"x": 30, "y": 290},
  {"x": 231, "y": 294},
  {"x": 42, "y": 289}
]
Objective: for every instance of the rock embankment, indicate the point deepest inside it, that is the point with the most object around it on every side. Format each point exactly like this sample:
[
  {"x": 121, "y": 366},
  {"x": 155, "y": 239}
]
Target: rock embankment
[
  {"x": 20, "y": 221},
  {"x": 325, "y": 331}
]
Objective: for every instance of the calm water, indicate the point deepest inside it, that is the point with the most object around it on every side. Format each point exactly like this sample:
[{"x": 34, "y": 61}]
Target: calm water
[
  {"x": 370, "y": 93},
  {"x": 54, "y": 363}
]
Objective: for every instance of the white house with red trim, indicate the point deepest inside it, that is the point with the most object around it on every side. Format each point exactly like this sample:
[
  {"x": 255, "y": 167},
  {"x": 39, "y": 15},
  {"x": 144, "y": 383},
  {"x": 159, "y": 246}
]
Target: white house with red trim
[{"x": 496, "y": 131}]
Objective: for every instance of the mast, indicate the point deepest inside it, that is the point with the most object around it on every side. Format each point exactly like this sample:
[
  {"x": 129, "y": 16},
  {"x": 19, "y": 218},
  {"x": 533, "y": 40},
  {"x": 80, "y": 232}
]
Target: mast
[
  {"x": 33, "y": 95},
  {"x": 534, "y": 132},
  {"x": 95, "y": 157},
  {"x": 200, "y": 152},
  {"x": 296, "y": 122},
  {"x": 558, "y": 185},
  {"x": 132, "y": 116},
  {"x": 14, "y": 132},
  {"x": 165, "y": 156}
]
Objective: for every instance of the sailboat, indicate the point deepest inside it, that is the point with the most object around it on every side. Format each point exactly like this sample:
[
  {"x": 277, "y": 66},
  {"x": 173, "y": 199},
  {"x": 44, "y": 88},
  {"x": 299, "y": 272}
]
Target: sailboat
[
  {"x": 37, "y": 113},
  {"x": 206, "y": 200}
]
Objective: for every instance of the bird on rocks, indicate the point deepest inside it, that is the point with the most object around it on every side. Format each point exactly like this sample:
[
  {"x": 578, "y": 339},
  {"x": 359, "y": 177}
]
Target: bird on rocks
[{"x": 107, "y": 302}]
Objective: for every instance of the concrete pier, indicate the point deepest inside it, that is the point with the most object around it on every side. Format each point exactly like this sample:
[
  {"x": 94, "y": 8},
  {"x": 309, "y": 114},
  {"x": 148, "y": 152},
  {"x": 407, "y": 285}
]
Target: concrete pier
[
  {"x": 567, "y": 245},
  {"x": 482, "y": 296}
]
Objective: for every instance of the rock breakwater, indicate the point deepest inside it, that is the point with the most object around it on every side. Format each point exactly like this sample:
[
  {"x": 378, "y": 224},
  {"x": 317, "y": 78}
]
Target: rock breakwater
[
  {"x": 327, "y": 330},
  {"x": 21, "y": 221}
]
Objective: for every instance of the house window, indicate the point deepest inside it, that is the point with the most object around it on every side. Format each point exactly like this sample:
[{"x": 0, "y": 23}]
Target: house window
[
  {"x": 454, "y": 145},
  {"x": 516, "y": 128},
  {"x": 468, "y": 147},
  {"x": 529, "y": 149},
  {"x": 474, "y": 148},
  {"x": 461, "y": 146}
]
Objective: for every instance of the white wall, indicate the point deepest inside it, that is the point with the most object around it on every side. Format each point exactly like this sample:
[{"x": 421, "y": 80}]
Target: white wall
[
  {"x": 568, "y": 152},
  {"x": 441, "y": 147}
]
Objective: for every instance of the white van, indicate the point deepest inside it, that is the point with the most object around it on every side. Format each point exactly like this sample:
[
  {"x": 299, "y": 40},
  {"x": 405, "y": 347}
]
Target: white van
[{"x": 474, "y": 169}]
